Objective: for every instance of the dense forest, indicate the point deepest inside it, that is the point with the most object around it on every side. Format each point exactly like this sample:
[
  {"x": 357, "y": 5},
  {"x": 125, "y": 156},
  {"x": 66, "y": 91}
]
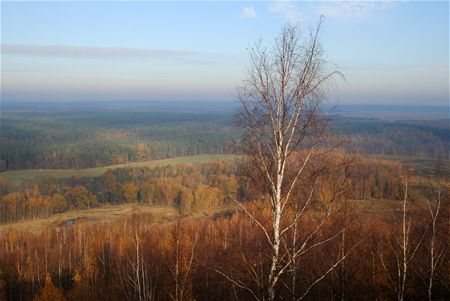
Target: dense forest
[
  {"x": 135, "y": 260},
  {"x": 89, "y": 139},
  {"x": 76, "y": 138},
  {"x": 417, "y": 138},
  {"x": 141, "y": 258},
  {"x": 370, "y": 229}
]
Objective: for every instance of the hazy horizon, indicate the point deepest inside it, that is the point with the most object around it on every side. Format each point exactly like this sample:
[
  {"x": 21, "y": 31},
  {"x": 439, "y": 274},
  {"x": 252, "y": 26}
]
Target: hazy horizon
[
  {"x": 380, "y": 111},
  {"x": 391, "y": 53}
]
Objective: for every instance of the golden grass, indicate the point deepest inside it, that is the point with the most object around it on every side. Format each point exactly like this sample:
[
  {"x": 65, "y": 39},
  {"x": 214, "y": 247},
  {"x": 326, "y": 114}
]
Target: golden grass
[{"x": 102, "y": 214}]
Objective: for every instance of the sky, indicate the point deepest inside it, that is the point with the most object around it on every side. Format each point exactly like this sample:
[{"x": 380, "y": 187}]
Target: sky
[{"x": 389, "y": 52}]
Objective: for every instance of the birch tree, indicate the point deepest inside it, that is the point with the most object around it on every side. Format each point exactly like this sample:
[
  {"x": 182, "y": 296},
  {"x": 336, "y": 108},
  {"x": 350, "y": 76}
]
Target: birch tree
[
  {"x": 436, "y": 242},
  {"x": 135, "y": 279},
  {"x": 436, "y": 254},
  {"x": 404, "y": 249},
  {"x": 281, "y": 135}
]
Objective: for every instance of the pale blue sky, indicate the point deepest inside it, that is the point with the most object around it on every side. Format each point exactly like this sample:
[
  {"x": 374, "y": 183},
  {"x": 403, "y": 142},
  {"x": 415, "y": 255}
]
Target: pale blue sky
[{"x": 390, "y": 52}]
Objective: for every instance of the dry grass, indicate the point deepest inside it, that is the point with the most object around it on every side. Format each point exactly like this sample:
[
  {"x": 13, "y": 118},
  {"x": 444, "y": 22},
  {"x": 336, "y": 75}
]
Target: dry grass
[{"x": 102, "y": 214}]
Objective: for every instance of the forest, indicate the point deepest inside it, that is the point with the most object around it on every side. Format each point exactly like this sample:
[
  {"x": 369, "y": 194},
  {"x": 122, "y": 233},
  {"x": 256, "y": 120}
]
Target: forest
[
  {"x": 140, "y": 258},
  {"x": 81, "y": 138},
  {"x": 307, "y": 204},
  {"x": 373, "y": 209},
  {"x": 211, "y": 240},
  {"x": 188, "y": 187}
]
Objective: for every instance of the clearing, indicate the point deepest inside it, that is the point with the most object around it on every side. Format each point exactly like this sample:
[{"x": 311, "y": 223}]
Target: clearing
[
  {"x": 31, "y": 174},
  {"x": 101, "y": 214}
]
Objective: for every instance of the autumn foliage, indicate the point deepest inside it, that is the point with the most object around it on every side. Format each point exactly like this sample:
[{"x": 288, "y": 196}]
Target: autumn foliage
[{"x": 142, "y": 258}]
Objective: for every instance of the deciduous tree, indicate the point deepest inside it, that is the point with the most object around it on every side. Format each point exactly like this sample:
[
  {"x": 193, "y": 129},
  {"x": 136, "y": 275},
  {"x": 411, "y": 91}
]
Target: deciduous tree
[{"x": 282, "y": 132}]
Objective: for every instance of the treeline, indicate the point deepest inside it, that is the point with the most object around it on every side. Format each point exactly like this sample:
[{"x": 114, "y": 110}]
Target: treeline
[
  {"x": 190, "y": 188},
  {"x": 134, "y": 259},
  {"x": 89, "y": 139},
  {"x": 420, "y": 139},
  {"x": 187, "y": 187},
  {"x": 82, "y": 139}
]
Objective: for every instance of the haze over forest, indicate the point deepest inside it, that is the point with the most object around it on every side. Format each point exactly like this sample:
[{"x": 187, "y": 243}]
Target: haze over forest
[{"x": 279, "y": 150}]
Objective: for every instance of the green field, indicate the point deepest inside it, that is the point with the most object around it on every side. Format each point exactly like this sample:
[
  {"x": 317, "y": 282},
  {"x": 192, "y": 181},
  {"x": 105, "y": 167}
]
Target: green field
[{"x": 30, "y": 174}]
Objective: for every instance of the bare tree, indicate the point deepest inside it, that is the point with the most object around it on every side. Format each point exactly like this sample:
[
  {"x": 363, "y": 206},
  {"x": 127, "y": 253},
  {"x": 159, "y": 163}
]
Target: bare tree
[
  {"x": 181, "y": 268},
  {"x": 436, "y": 254},
  {"x": 282, "y": 133},
  {"x": 403, "y": 249},
  {"x": 435, "y": 243},
  {"x": 134, "y": 278}
]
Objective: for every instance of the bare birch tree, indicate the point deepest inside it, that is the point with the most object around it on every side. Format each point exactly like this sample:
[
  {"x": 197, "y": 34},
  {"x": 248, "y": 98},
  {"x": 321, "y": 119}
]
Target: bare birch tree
[
  {"x": 281, "y": 136},
  {"x": 404, "y": 250},
  {"x": 181, "y": 268},
  {"x": 135, "y": 280},
  {"x": 436, "y": 253},
  {"x": 436, "y": 241}
]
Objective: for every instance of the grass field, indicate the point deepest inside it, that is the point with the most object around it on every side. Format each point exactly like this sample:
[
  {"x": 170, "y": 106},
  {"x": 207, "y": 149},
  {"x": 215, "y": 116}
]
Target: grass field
[
  {"x": 102, "y": 214},
  {"x": 421, "y": 166},
  {"x": 30, "y": 174},
  {"x": 111, "y": 213}
]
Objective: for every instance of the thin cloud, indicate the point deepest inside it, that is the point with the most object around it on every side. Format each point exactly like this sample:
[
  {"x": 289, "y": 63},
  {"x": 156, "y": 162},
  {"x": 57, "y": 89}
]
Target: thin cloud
[
  {"x": 286, "y": 9},
  {"x": 352, "y": 9},
  {"x": 91, "y": 52},
  {"x": 248, "y": 12}
]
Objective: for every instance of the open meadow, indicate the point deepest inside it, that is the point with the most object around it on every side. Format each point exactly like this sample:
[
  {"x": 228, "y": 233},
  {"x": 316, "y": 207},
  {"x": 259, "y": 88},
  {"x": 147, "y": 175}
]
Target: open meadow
[{"x": 31, "y": 174}]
